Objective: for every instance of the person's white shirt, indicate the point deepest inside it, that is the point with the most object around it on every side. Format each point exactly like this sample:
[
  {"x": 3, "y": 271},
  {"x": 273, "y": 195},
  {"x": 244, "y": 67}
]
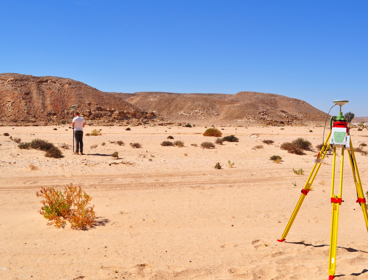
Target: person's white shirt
[{"x": 78, "y": 123}]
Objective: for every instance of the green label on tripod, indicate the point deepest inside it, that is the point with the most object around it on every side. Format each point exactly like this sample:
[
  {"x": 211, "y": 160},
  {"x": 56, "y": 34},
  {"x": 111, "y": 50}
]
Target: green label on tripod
[{"x": 339, "y": 136}]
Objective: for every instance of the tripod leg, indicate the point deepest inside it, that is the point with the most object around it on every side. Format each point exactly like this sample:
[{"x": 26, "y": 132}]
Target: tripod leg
[
  {"x": 336, "y": 201},
  {"x": 358, "y": 184},
  {"x": 307, "y": 186}
]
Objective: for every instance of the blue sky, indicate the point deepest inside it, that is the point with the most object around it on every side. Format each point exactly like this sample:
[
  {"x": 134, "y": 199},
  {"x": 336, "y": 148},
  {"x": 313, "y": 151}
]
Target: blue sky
[{"x": 316, "y": 51}]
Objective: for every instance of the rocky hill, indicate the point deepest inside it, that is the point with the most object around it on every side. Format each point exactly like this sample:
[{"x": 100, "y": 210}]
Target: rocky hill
[
  {"x": 47, "y": 100},
  {"x": 243, "y": 107}
]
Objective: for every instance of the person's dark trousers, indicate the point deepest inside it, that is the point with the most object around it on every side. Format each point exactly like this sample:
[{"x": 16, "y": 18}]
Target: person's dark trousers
[{"x": 79, "y": 140}]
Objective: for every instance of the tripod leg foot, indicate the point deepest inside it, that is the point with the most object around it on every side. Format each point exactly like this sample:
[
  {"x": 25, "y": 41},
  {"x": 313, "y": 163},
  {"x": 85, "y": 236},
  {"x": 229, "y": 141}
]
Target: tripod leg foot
[
  {"x": 331, "y": 277},
  {"x": 281, "y": 240}
]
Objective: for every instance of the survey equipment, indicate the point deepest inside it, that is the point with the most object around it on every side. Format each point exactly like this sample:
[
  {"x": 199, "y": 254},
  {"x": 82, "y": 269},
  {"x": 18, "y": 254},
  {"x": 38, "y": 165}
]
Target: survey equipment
[
  {"x": 73, "y": 108},
  {"x": 338, "y": 139}
]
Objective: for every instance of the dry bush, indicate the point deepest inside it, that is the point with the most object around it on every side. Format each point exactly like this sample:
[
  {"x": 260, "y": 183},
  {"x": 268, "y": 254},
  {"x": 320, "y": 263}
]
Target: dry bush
[
  {"x": 103, "y": 144},
  {"x": 218, "y": 165},
  {"x": 268, "y": 142},
  {"x": 179, "y": 144},
  {"x": 194, "y": 145},
  {"x": 120, "y": 143},
  {"x": 87, "y": 134},
  {"x": 362, "y": 145},
  {"x": 65, "y": 146},
  {"x": 95, "y": 132},
  {"x": 17, "y": 140},
  {"x": 6, "y": 134},
  {"x": 170, "y": 137},
  {"x": 291, "y": 148},
  {"x": 167, "y": 143},
  {"x": 230, "y": 138},
  {"x": 25, "y": 145},
  {"x": 115, "y": 155},
  {"x": 40, "y": 144},
  {"x": 136, "y": 145},
  {"x": 69, "y": 204},
  {"x": 94, "y": 146},
  {"x": 302, "y": 144},
  {"x": 54, "y": 152},
  {"x": 212, "y": 132},
  {"x": 207, "y": 145},
  {"x": 128, "y": 128},
  {"x": 258, "y": 147},
  {"x": 32, "y": 167},
  {"x": 219, "y": 141},
  {"x": 188, "y": 125}
]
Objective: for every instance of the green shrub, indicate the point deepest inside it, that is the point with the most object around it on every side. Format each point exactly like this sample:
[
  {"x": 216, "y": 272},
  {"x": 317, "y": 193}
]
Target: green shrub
[
  {"x": 302, "y": 144},
  {"x": 63, "y": 122},
  {"x": 219, "y": 141},
  {"x": 25, "y": 145},
  {"x": 218, "y": 166},
  {"x": 17, "y": 140},
  {"x": 291, "y": 148},
  {"x": 275, "y": 158},
  {"x": 298, "y": 172},
  {"x": 96, "y": 132},
  {"x": 167, "y": 143},
  {"x": 230, "y": 138},
  {"x": 115, "y": 155},
  {"x": 207, "y": 145},
  {"x": 54, "y": 152},
  {"x": 42, "y": 145},
  {"x": 212, "y": 132}
]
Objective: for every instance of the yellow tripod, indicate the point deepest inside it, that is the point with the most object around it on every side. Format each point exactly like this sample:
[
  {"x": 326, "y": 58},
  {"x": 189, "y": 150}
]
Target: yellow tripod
[{"x": 336, "y": 200}]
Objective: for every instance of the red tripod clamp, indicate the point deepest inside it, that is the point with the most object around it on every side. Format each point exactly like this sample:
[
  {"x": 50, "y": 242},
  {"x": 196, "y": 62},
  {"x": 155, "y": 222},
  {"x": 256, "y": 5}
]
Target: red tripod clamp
[
  {"x": 304, "y": 191},
  {"x": 361, "y": 200},
  {"x": 336, "y": 200}
]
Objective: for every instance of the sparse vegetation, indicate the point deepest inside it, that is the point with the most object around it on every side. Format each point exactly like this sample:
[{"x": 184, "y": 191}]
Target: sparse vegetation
[
  {"x": 194, "y": 145},
  {"x": 207, "y": 145},
  {"x": 24, "y": 145},
  {"x": 268, "y": 142},
  {"x": 212, "y": 132},
  {"x": 170, "y": 137},
  {"x": 6, "y": 134},
  {"x": 362, "y": 145},
  {"x": 94, "y": 146},
  {"x": 302, "y": 144},
  {"x": 32, "y": 167},
  {"x": 179, "y": 144},
  {"x": 219, "y": 141},
  {"x": 275, "y": 158},
  {"x": 64, "y": 146},
  {"x": 120, "y": 143},
  {"x": 167, "y": 143},
  {"x": 349, "y": 116},
  {"x": 231, "y": 164},
  {"x": 258, "y": 147},
  {"x": 54, "y": 152},
  {"x": 230, "y": 138},
  {"x": 40, "y": 144},
  {"x": 69, "y": 204},
  {"x": 188, "y": 125},
  {"x": 103, "y": 144},
  {"x": 87, "y": 134},
  {"x": 136, "y": 145},
  {"x": 63, "y": 122},
  {"x": 115, "y": 155},
  {"x": 17, "y": 140},
  {"x": 299, "y": 172},
  {"x": 96, "y": 132},
  {"x": 360, "y": 150},
  {"x": 296, "y": 146},
  {"x": 218, "y": 166}
]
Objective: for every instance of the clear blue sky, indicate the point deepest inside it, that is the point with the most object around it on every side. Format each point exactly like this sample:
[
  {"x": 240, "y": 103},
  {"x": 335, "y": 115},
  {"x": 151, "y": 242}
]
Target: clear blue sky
[{"x": 316, "y": 51}]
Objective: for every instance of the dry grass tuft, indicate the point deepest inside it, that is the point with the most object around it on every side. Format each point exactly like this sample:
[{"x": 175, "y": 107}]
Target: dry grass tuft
[
  {"x": 268, "y": 142},
  {"x": 94, "y": 146},
  {"x": 54, "y": 152},
  {"x": 65, "y": 146},
  {"x": 167, "y": 144},
  {"x": 32, "y": 167},
  {"x": 68, "y": 204},
  {"x": 115, "y": 155},
  {"x": 136, "y": 145},
  {"x": 207, "y": 145},
  {"x": 219, "y": 141},
  {"x": 95, "y": 132},
  {"x": 179, "y": 144},
  {"x": 231, "y": 138},
  {"x": 120, "y": 143}
]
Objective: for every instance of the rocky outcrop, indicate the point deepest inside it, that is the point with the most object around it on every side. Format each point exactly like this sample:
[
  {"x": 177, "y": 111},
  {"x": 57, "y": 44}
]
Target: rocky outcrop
[{"x": 48, "y": 100}]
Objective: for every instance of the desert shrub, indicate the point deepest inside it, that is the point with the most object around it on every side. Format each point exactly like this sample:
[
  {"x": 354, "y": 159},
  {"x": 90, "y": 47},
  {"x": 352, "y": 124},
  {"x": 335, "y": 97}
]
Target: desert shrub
[
  {"x": 42, "y": 145},
  {"x": 268, "y": 142},
  {"x": 298, "y": 172},
  {"x": 360, "y": 129},
  {"x": 69, "y": 204},
  {"x": 32, "y": 167},
  {"x": 258, "y": 147},
  {"x": 103, "y": 144},
  {"x": 87, "y": 134},
  {"x": 302, "y": 144},
  {"x": 54, "y": 152},
  {"x": 212, "y": 132},
  {"x": 115, "y": 155},
  {"x": 207, "y": 145},
  {"x": 231, "y": 164},
  {"x": 218, "y": 166},
  {"x": 291, "y": 148},
  {"x": 167, "y": 143},
  {"x": 230, "y": 138},
  {"x": 275, "y": 158},
  {"x": 136, "y": 145},
  {"x": 94, "y": 146},
  {"x": 17, "y": 140},
  {"x": 6, "y": 134},
  {"x": 194, "y": 145},
  {"x": 128, "y": 129},
  {"x": 120, "y": 143},
  {"x": 96, "y": 132},
  {"x": 179, "y": 144},
  {"x": 188, "y": 125},
  {"x": 63, "y": 122},
  {"x": 219, "y": 141},
  {"x": 24, "y": 145},
  {"x": 363, "y": 145},
  {"x": 170, "y": 137},
  {"x": 55, "y": 128}
]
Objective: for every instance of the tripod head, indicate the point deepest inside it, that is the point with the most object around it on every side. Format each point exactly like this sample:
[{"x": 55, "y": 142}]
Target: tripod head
[
  {"x": 340, "y": 117},
  {"x": 339, "y": 127}
]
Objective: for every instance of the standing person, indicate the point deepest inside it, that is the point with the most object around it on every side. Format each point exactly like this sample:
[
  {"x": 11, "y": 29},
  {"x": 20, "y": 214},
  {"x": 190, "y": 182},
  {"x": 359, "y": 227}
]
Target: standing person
[{"x": 78, "y": 124}]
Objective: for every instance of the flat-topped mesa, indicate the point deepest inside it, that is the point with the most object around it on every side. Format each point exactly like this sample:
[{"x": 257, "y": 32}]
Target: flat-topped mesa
[{"x": 48, "y": 100}]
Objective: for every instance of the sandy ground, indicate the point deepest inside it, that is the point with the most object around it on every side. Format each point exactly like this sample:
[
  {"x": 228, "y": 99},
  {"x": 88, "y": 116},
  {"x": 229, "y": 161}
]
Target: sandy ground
[{"x": 167, "y": 213}]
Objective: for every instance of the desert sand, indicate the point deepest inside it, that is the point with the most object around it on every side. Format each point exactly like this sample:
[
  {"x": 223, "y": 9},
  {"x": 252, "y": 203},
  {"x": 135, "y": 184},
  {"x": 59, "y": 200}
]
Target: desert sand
[{"x": 167, "y": 213}]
